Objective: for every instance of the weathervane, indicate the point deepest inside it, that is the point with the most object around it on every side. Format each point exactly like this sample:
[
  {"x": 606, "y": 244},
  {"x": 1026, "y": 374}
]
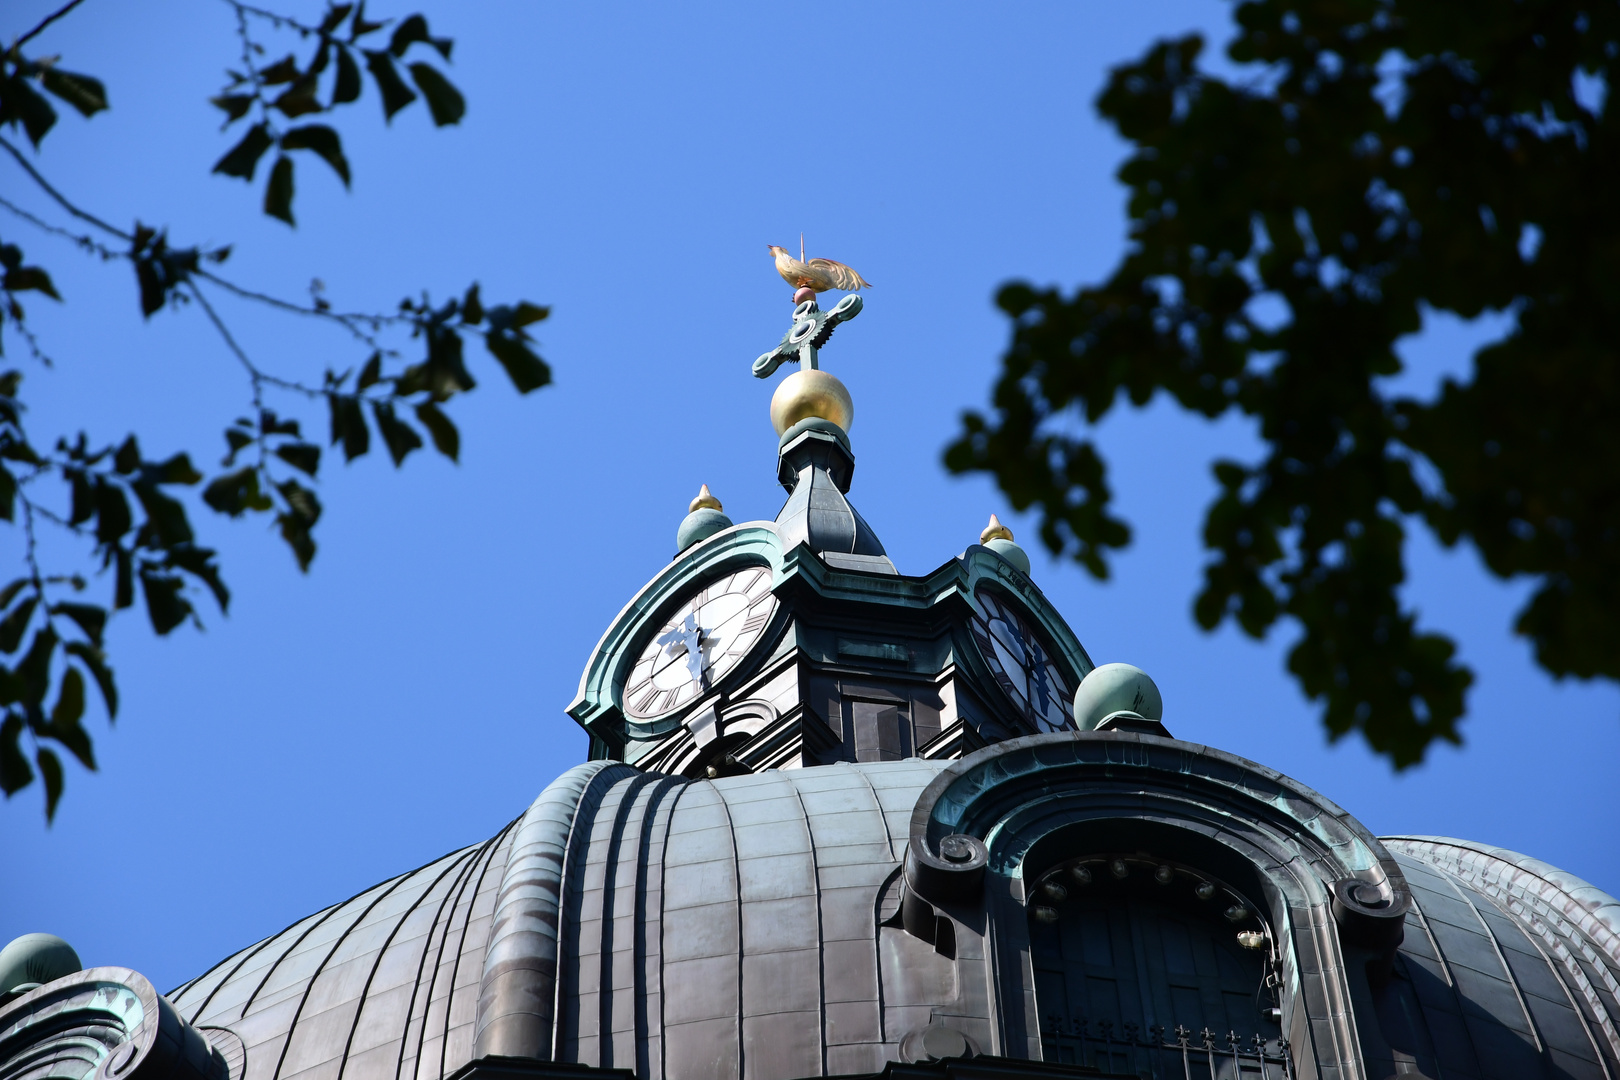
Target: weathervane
[
  {"x": 811, "y": 327},
  {"x": 810, "y": 392}
]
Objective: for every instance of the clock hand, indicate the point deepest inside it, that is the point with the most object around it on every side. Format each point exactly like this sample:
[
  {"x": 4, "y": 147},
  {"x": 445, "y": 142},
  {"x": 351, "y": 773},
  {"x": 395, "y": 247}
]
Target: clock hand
[
  {"x": 1034, "y": 665},
  {"x": 690, "y": 636}
]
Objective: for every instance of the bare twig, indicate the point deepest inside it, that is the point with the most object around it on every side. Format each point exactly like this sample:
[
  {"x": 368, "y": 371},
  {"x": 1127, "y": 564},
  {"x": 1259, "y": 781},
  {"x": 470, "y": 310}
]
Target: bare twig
[
  {"x": 46, "y": 21},
  {"x": 274, "y": 18},
  {"x": 82, "y": 239},
  {"x": 61, "y": 199}
]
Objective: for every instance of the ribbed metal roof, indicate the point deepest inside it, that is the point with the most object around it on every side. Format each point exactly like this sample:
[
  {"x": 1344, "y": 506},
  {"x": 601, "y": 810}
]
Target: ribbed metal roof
[{"x": 732, "y": 928}]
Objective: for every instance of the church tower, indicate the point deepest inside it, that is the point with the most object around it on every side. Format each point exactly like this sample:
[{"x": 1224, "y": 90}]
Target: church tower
[{"x": 841, "y": 821}]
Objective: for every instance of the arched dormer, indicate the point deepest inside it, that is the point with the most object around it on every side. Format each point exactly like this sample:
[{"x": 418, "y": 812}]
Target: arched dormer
[{"x": 1151, "y": 822}]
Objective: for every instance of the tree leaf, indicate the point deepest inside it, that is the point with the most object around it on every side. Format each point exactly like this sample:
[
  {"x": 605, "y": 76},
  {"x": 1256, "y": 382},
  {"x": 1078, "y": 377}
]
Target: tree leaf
[
  {"x": 50, "y": 771},
  {"x": 66, "y": 727},
  {"x": 30, "y": 277},
  {"x": 306, "y": 457},
  {"x": 395, "y": 94},
  {"x": 298, "y": 99},
  {"x": 166, "y": 607},
  {"x": 80, "y": 91},
  {"x": 243, "y": 158},
  {"x": 324, "y": 141},
  {"x": 235, "y": 106},
  {"x": 412, "y": 28},
  {"x": 444, "y": 100},
  {"x": 400, "y": 437},
  {"x": 15, "y": 772},
  {"x": 9, "y": 593},
  {"x": 90, "y": 618},
  {"x": 124, "y": 579},
  {"x": 237, "y": 492},
  {"x": 446, "y": 439},
  {"x": 278, "y": 194},
  {"x": 302, "y": 512},
  {"x": 8, "y": 494},
  {"x": 349, "y": 425},
  {"x": 526, "y": 313},
  {"x": 284, "y": 70},
  {"x": 526, "y": 370},
  {"x": 347, "y": 86},
  {"x": 472, "y": 307},
  {"x": 371, "y": 372},
  {"x": 15, "y": 624},
  {"x": 94, "y": 659},
  {"x": 33, "y": 674},
  {"x": 335, "y": 14},
  {"x": 199, "y": 562},
  {"x": 20, "y": 103}
]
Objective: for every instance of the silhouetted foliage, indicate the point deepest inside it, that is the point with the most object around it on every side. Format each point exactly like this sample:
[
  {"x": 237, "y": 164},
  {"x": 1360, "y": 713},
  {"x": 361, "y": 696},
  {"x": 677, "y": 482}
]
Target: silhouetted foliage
[
  {"x": 125, "y": 508},
  {"x": 1375, "y": 159}
]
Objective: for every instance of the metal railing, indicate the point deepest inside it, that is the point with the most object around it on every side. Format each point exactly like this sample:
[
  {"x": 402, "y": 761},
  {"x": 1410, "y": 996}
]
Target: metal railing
[{"x": 1159, "y": 1053}]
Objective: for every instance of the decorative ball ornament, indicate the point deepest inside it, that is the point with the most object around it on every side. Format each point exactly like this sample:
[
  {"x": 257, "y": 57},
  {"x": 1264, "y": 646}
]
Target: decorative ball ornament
[
  {"x": 811, "y": 393},
  {"x": 35, "y": 959},
  {"x": 704, "y": 518},
  {"x": 1112, "y": 689}
]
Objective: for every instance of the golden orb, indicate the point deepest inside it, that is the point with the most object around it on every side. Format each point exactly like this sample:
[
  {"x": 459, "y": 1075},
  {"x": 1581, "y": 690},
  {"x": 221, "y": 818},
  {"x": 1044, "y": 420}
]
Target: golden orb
[{"x": 811, "y": 393}]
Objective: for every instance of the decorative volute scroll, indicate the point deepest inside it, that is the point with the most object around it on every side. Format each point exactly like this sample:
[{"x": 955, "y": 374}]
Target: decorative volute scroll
[{"x": 106, "y": 1023}]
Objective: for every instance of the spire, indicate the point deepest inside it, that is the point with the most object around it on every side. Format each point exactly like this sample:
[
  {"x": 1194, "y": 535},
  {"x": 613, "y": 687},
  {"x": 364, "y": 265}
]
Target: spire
[{"x": 812, "y": 412}]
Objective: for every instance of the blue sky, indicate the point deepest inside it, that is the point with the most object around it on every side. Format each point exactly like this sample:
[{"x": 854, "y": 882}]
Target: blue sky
[{"x": 628, "y": 164}]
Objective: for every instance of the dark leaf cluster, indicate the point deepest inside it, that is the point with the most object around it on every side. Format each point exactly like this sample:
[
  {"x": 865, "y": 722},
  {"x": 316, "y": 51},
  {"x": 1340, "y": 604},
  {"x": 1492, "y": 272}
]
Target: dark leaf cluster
[
  {"x": 1378, "y": 158},
  {"x": 273, "y": 98}
]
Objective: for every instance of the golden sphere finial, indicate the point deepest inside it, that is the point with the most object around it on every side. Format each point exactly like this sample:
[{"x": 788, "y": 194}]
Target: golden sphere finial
[
  {"x": 811, "y": 393},
  {"x": 705, "y": 500},
  {"x": 995, "y": 531}
]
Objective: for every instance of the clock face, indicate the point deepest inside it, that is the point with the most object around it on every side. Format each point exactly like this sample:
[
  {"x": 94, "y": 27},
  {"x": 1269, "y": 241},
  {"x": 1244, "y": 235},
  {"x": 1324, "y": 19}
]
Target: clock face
[
  {"x": 1022, "y": 666},
  {"x": 705, "y": 638}
]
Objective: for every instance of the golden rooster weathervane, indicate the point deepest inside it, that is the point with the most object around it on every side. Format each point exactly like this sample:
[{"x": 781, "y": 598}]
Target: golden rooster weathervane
[
  {"x": 817, "y": 275},
  {"x": 810, "y": 393}
]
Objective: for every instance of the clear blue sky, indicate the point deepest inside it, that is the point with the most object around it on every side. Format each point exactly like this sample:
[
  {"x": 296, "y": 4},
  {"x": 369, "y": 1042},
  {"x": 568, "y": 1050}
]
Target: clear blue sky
[{"x": 628, "y": 165}]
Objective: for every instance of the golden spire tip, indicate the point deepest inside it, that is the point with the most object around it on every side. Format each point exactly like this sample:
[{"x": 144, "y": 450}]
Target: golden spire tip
[
  {"x": 993, "y": 531},
  {"x": 705, "y": 500}
]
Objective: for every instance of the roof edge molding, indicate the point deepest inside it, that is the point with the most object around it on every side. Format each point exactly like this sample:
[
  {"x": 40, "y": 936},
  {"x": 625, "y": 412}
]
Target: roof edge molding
[
  {"x": 1519, "y": 883},
  {"x": 517, "y": 991}
]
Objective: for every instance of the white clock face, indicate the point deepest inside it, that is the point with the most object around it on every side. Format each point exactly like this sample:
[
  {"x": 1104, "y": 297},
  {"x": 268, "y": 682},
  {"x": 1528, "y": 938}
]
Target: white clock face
[
  {"x": 705, "y": 638},
  {"x": 1022, "y": 666}
]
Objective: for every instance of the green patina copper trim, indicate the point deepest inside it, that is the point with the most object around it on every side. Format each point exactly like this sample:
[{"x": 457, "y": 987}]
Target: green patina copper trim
[
  {"x": 1011, "y": 794},
  {"x": 753, "y": 543},
  {"x": 986, "y": 567}
]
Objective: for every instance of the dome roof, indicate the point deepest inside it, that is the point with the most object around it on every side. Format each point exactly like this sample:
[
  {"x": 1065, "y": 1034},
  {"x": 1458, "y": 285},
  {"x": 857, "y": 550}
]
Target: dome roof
[{"x": 752, "y": 926}]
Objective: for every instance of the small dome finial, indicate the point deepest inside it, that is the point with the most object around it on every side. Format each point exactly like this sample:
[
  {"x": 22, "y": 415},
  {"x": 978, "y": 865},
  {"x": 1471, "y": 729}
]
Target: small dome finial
[
  {"x": 995, "y": 531},
  {"x": 705, "y": 501}
]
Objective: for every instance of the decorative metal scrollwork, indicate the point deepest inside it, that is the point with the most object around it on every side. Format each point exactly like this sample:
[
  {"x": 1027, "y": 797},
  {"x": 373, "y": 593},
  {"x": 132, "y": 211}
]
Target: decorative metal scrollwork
[{"x": 105, "y": 1023}]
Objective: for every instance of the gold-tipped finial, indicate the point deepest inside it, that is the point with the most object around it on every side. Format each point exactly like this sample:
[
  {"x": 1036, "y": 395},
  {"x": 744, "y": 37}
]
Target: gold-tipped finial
[
  {"x": 705, "y": 501},
  {"x": 993, "y": 531}
]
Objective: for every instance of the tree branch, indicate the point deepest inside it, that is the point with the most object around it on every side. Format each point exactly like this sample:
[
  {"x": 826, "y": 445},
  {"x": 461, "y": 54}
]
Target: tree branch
[
  {"x": 46, "y": 21},
  {"x": 61, "y": 199}
]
